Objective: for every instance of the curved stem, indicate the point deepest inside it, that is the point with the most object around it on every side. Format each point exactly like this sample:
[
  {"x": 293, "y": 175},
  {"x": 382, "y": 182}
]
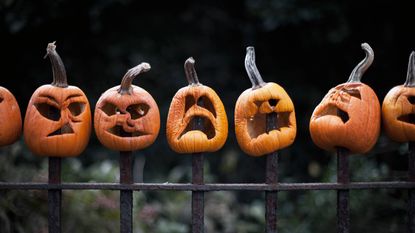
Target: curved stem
[
  {"x": 410, "y": 75},
  {"x": 361, "y": 68},
  {"x": 125, "y": 87},
  {"x": 189, "y": 69},
  {"x": 252, "y": 70},
  {"x": 58, "y": 69}
]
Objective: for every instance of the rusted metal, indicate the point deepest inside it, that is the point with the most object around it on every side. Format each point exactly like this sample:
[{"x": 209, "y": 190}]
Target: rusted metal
[
  {"x": 281, "y": 187},
  {"x": 197, "y": 196},
  {"x": 411, "y": 192},
  {"x": 343, "y": 177},
  {"x": 126, "y": 196},
  {"x": 271, "y": 177},
  {"x": 54, "y": 195}
]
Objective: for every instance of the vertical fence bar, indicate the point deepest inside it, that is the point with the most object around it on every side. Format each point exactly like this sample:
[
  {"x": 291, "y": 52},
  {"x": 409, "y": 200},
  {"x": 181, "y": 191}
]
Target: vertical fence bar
[
  {"x": 271, "y": 177},
  {"x": 126, "y": 196},
  {"x": 197, "y": 196},
  {"x": 343, "y": 209},
  {"x": 411, "y": 192},
  {"x": 54, "y": 196}
]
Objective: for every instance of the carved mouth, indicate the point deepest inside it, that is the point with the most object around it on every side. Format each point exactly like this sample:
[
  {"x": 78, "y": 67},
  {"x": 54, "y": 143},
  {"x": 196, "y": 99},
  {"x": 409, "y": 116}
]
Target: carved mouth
[
  {"x": 333, "y": 110},
  {"x": 257, "y": 124},
  {"x": 408, "y": 118},
  {"x": 120, "y": 132},
  {"x": 65, "y": 129},
  {"x": 204, "y": 125}
]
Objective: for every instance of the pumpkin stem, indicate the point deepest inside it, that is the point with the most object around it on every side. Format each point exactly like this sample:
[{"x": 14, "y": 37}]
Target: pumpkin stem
[
  {"x": 252, "y": 70},
  {"x": 58, "y": 69},
  {"x": 125, "y": 87},
  {"x": 361, "y": 68},
  {"x": 410, "y": 75},
  {"x": 189, "y": 69}
]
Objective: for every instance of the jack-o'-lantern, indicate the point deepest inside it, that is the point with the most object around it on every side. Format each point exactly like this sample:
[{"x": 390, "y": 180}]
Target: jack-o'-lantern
[
  {"x": 398, "y": 108},
  {"x": 349, "y": 115},
  {"x": 255, "y": 106},
  {"x": 197, "y": 119},
  {"x": 10, "y": 118},
  {"x": 127, "y": 117},
  {"x": 58, "y": 117}
]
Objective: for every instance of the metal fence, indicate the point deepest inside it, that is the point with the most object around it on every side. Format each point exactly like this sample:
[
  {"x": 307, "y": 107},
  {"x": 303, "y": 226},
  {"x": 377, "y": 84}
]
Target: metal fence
[{"x": 271, "y": 187}]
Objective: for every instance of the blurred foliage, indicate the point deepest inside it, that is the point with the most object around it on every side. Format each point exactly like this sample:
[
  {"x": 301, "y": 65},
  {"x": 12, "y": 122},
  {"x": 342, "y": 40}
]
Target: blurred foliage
[{"x": 305, "y": 46}]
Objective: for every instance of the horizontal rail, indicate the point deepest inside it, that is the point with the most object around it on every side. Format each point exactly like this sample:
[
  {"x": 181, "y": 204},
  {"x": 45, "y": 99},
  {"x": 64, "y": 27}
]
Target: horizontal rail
[{"x": 209, "y": 187}]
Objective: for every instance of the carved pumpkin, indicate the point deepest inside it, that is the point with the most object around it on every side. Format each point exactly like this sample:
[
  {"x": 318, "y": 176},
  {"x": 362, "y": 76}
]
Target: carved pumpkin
[
  {"x": 10, "y": 119},
  {"x": 398, "y": 108},
  {"x": 349, "y": 115},
  {"x": 197, "y": 120},
  {"x": 255, "y": 106},
  {"x": 58, "y": 117},
  {"x": 127, "y": 117}
]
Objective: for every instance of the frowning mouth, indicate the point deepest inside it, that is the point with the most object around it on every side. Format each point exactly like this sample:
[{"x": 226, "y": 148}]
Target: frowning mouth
[
  {"x": 200, "y": 123},
  {"x": 333, "y": 110},
  {"x": 120, "y": 132},
  {"x": 408, "y": 118},
  {"x": 65, "y": 129},
  {"x": 257, "y": 124}
]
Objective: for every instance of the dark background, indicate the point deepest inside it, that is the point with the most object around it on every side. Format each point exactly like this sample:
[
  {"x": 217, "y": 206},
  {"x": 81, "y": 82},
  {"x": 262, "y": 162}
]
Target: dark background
[{"x": 305, "y": 46}]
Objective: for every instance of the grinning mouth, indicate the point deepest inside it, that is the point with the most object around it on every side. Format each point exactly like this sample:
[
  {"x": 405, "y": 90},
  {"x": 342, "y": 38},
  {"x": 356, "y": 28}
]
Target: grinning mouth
[
  {"x": 257, "y": 124},
  {"x": 333, "y": 110},
  {"x": 408, "y": 118},
  {"x": 65, "y": 129},
  {"x": 202, "y": 124},
  {"x": 120, "y": 132}
]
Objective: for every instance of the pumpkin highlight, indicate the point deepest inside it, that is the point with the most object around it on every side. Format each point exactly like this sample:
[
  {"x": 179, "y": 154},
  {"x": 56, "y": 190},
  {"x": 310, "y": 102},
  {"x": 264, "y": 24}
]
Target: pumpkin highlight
[
  {"x": 127, "y": 117},
  {"x": 349, "y": 114},
  {"x": 197, "y": 120},
  {"x": 257, "y": 105},
  {"x": 398, "y": 108},
  {"x": 58, "y": 116},
  {"x": 10, "y": 118}
]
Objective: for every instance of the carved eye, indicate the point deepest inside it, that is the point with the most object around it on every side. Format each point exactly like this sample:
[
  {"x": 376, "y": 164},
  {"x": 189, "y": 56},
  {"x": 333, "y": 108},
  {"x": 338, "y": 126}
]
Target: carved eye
[
  {"x": 411, "y": 99},
  {"x": 1, "y": 99},
  {"x": 205, "y": 102},
  {"x": 48, "y": 111},
  {"x": 109, "y": 109},
  {"x": 189, "y": 102},
  {"x": 76, "y": 108},
  {"x": 138, "y": 110},
  {"x": 354, "y": 92}
]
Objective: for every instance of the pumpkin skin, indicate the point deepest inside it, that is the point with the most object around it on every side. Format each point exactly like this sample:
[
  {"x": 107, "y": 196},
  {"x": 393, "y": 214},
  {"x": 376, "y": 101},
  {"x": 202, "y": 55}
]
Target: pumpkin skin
[
  {"x": 58, "y": 116},
  {"x": 197, "y": 120},
  {"x": 127, "y": 117},
  {"x": 10, "y": 118},
  {"x": 349, "y": 115},
  {"x": 252, "y": 109},
  {"x": 398, "y": 109}
]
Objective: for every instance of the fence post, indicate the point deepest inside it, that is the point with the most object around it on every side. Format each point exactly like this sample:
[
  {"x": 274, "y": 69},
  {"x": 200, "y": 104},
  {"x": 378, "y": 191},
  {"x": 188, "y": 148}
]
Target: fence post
[
  {"x": 343, "y": 209},
  {"x": 271, "y": 177},
  {"x": 54, "y": 196},
  {"x": 126, "y": 196},
  {"x": 411, "y": 192}
]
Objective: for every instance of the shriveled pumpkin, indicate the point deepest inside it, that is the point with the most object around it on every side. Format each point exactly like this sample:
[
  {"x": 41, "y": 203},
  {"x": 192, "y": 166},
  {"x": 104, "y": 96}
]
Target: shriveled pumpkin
[
  {"x": 349, "y": 115},
  {"x": 255, "y": 106},
  {"x": 127, "y": 117},
  {"x": 197, "y": 120},
  {"x": 10, "y": 118},
  {"x": 58, "y": 116},
  {"x": 398, "y": 108}
]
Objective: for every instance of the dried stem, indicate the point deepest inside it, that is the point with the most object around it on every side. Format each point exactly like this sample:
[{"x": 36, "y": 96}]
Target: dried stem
[
  {"x": 125, "y": 87},
  {"x": 189, "y": 69},
  {"x": 410, "y": 75},
  {"x": 58, "y": 69},
  {"x": 361, "y": 68},
  {"x": 252, "y": 70}
]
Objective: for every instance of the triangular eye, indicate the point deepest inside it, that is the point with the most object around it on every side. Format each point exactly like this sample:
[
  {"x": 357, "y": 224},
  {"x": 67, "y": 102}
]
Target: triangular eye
[
  {"x": 76, "y": 108},
  {"x": 109, "y": 109},
  {"x": 205, "y": 102},
  {"x": 138, "y": 110},
  {"x": 48, "y": 111}
]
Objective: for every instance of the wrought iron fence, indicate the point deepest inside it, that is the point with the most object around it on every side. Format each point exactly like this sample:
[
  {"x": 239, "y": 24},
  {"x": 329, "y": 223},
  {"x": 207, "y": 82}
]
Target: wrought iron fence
[{"x": 271, "y": 187}]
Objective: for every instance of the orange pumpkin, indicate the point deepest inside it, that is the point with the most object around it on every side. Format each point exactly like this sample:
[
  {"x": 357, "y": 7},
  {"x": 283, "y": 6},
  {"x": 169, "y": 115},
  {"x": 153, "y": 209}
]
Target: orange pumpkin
[
  {"x": 10, "y": 118},
  {"x": 349, "y": 115},
  {"x": 127, "y": 117},
  {"x": 253, "y": 109},
  {"x": 58, "y": 116},
  {"x": 398, "y": 108},
  {"x": 197, "y": 120}
]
